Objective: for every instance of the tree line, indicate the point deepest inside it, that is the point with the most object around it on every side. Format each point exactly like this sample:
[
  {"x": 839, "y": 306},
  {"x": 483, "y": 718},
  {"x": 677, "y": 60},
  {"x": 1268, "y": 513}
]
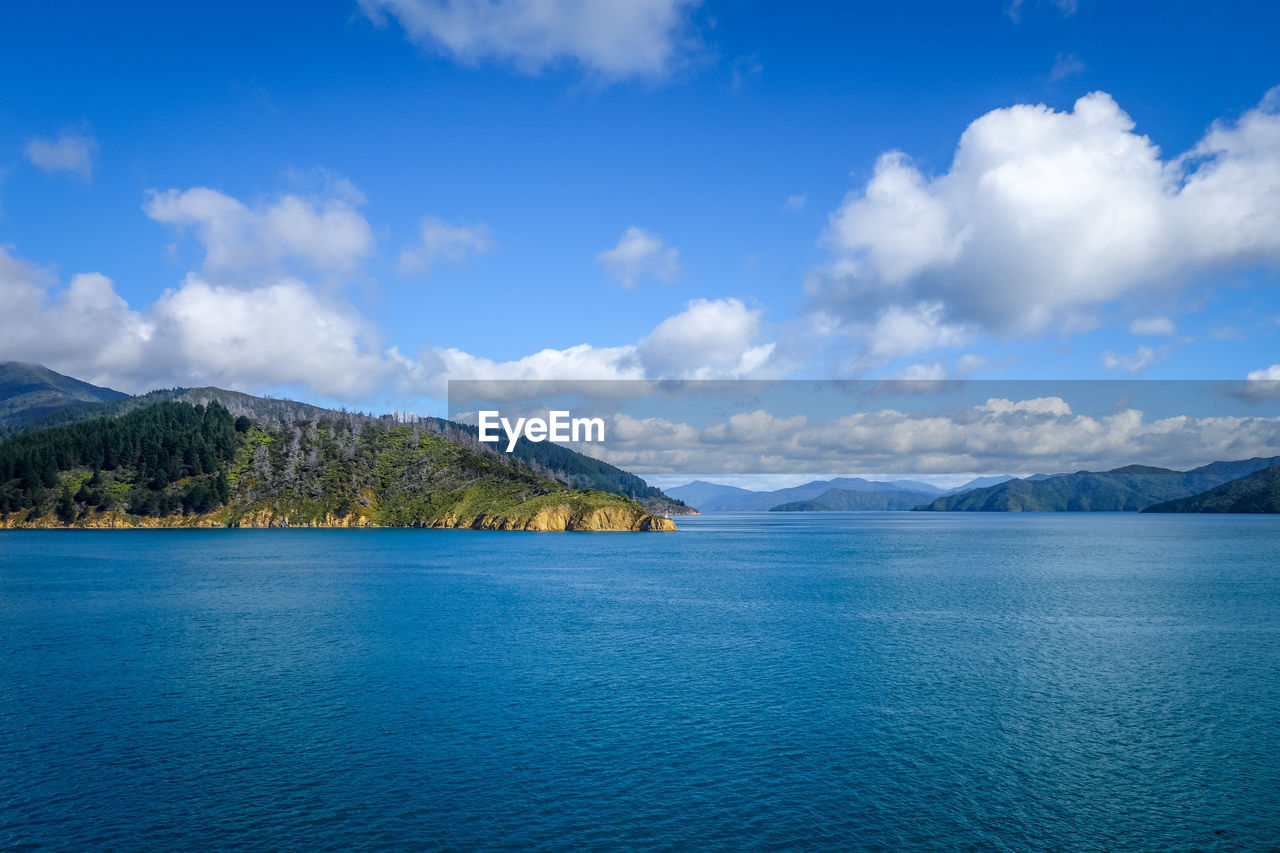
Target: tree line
[{"x": 156, "y": 460}]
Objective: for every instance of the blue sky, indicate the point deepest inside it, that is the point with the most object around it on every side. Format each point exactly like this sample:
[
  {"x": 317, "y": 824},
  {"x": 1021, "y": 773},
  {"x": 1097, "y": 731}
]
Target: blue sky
[{"x": 352, "y": 202}]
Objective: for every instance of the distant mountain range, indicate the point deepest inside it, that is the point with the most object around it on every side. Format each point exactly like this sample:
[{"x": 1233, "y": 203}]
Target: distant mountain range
[
  {"x": 1128, "y": 489},
  {"x": 1250, "y": 485},
  {"x": 819, "y": 495},
  {"x": 848, "y": 500},
  {"x": 35, "y": 400}
]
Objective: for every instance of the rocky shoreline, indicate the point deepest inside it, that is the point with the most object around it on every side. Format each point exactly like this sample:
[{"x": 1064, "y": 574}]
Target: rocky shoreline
[{"x": 547, "y": 519}]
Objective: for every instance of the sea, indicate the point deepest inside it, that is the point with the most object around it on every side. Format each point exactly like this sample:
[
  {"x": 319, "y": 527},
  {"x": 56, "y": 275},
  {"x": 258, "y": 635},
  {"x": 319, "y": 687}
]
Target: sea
[{"x": 757, "y": 681}]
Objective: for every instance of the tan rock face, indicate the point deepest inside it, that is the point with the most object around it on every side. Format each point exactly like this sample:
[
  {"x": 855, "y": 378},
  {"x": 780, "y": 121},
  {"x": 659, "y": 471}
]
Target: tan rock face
[
  {"x": 564, "y": 517},
  {"x": 116, "y": 521},
  {"x": 561, "y": 517},
  {"x": 266, "y": 517}
]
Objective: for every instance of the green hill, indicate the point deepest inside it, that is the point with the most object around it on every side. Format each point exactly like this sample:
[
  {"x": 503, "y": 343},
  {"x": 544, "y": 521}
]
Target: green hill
[
  {"x": 1128, "y": 489},
  {"x": 1256, "y": 492},
  {"x": 178, "y": 464},
  {"x": 29, "y": 392},
  {"x": 568, "y": 466}
]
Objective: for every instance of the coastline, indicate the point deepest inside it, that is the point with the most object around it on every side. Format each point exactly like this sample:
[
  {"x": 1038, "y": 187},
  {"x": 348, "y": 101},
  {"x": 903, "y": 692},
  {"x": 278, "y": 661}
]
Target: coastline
[{"x": 554, "y": 518}]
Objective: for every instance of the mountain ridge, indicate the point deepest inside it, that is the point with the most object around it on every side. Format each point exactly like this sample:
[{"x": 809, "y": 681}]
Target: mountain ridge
[
  {"x": 1130, "y": 488},
  {"x": 29, "y": 391},
  {"x": 1258, "y": 492}
]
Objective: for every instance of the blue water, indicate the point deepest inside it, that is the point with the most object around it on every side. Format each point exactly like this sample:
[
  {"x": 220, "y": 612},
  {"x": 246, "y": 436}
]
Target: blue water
[{"x": 757, "y": 682}]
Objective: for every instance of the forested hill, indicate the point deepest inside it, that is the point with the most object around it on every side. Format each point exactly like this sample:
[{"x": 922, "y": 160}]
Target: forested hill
[
  {"x": 1128, "y": 489},
  {"x": 569, "y": 467},
  {"x": 1257, "y": 492},
  {"x": 178, "y": 464}
]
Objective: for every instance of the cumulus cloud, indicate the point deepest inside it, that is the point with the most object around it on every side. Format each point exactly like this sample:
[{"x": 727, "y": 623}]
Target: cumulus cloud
[
  {"x": 327, "y": 235},
  {"x": 84, "y": 327},
  {"x": 720, "y": 339},
  {"x": 67, "y": 153},
  {"x": 440, "y": 240},
  {"x": 999, "y": 435},
  {"x": 1044, "y": 219},
  {"x": 1263, "y": 384},
  {"x": 711, "y": 338},
  {"x": 795, "y": 203},
  {"x": 272, "y": 335},
  {"x": 280, "y": 332},
  {"x": 613, "y": 39},
  {"x": 640, "y": 254}
]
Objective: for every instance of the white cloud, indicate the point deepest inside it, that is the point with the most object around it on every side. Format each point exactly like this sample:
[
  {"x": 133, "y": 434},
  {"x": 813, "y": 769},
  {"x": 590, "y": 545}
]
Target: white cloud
[
  {"x": 922, "y": 371},
  {"x": 640, "y": 254},
  {"x": 581, "y": 361},
  {"x": 900, "y": 331},
  {"x": 85, "y": 329},
  {"x": 279, "y": 332},
  {"x": 795, "y": 203},
  {"x": 67, "y": 153},
  {"x": 1047, "y": 218},
  {"x": 1265, "y": 374},
  {"x": 608, "y": 38},
  {"x": 1065, "y": 66},
  {"x": 328, "y": 235},
  {"x": 709, "y": 339},
  {"x": 1133, "y": 362},
  {"x": 1153, "y": 327},
  {"x": 439, "y": 239},
  {"x": 997, "y": 436}
]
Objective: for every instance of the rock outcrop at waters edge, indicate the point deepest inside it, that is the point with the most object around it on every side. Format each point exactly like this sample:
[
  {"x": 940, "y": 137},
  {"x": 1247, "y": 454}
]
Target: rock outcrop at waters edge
[{"x": 560, "y": 517}]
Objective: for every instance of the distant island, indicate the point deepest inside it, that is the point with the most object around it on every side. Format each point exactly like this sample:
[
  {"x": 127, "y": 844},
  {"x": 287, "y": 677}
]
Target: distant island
[{"x": 81, "y": 456}]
